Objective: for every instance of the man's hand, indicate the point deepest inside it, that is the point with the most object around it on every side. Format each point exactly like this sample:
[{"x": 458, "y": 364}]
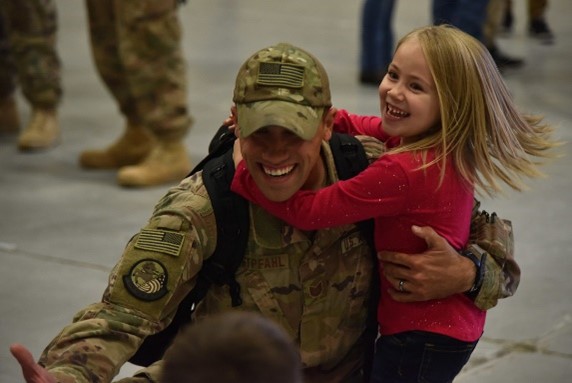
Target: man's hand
[
  {"x": 33, "y": 372},
  {"x": 436, "y": 273}
]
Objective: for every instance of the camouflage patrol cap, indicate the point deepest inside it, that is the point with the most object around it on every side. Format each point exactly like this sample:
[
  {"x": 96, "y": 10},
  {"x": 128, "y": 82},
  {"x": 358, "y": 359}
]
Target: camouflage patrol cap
[{"x": 281, "y": 85}]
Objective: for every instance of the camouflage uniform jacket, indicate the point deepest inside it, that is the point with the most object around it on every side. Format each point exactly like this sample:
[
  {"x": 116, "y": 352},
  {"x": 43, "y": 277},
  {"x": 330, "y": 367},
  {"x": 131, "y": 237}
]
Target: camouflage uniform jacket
[{"x": 314, "y": 284}]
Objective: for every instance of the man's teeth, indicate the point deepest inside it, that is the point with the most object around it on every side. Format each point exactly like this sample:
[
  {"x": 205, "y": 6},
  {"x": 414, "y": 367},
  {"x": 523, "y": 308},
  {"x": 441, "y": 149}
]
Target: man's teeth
[
  {"x": 274, "y": 172},
  {"x": 396, "y": 112}
]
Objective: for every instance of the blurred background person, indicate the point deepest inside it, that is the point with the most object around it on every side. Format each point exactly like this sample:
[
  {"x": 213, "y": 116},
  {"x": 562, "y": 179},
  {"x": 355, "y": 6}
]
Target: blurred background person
[
  {"x": 537, "y": 24},
  {"x": 467, "y": 15},
  {"x": 136, "y": 47},
  {"x": 491, "y": 28},
  {"x": 376, "y": 40},
  {"x": 471, "y": 16},
  {"x": 28, "y": 59}
]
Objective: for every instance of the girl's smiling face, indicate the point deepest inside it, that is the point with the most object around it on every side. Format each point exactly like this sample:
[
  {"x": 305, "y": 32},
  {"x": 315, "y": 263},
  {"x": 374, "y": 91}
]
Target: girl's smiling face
[{"x": 408, "y": 97}]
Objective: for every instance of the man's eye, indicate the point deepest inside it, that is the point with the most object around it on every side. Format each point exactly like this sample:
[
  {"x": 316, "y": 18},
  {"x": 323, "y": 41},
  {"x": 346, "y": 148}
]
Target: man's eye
[
  {"x": 290, "y": 134},
  {"x": 260, "y": 132}
]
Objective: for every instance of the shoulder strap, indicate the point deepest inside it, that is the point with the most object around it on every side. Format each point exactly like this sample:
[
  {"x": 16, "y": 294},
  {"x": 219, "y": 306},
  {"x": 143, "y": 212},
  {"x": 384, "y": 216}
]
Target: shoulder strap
[
  {"x": 350, "y": 159},
  {"x": 349, "y": 155},
  {"x": 231, "y": 214},
  {"x": 232, "y": 221}
]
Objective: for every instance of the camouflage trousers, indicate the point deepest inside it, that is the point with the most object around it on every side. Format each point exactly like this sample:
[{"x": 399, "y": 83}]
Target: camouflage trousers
[
  {"x": 28, "y": 56},
  {"x": 536, "y": 8},
  {"x": 136, "y": 47}
]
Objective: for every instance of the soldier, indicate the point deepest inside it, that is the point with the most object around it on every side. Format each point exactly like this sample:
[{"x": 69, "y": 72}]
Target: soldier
[
  {"x": 28, "y": 57},
  {"x": 316, "y": 285},
  {"x": 137, "y": 51}
]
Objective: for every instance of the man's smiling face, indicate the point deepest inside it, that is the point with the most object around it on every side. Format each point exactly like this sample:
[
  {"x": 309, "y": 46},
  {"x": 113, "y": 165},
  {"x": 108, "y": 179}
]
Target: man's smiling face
[{"x": 281, "y": 163}]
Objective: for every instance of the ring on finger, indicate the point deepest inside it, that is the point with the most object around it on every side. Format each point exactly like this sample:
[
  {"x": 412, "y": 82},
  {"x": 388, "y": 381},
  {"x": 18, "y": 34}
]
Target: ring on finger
[{"x": 401, "y": 283}]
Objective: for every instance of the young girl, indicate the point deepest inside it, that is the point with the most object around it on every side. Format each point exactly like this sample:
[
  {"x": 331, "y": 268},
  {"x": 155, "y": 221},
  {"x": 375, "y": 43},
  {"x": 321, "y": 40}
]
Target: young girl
[{"x": 449, "y": 125}]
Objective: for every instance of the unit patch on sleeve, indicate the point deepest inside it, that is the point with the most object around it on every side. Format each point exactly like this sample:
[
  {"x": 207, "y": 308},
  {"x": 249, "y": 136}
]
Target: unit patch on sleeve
[
  {"x": 160, "y": 241},
  {"x": 147, "y": 280}
]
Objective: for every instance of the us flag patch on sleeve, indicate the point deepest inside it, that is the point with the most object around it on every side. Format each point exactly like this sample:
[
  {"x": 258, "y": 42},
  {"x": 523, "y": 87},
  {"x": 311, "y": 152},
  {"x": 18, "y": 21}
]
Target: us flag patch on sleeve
[{"x": 160, "y": 241}]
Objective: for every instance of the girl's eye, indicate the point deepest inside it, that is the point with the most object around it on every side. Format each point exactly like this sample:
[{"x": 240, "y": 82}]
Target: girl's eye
[
  {"x": 391, "y": 74},
  {"x": 416, "y": 86}
]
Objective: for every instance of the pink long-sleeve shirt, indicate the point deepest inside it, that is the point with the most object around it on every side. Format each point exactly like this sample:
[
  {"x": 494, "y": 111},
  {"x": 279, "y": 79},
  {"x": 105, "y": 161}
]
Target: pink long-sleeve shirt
[{"x": 397, "y": 195}]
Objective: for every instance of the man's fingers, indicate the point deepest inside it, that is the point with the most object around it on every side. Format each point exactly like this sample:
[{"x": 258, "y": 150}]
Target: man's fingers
[
  {"x": 403, "y": 297},
  {"x": 33, "y": 372},
  {"x": 22, "y": 355},
  {"x": 428, "y": 234},
  {"x": 396, "y": 259},
  {"x": 386, "y": 256}
]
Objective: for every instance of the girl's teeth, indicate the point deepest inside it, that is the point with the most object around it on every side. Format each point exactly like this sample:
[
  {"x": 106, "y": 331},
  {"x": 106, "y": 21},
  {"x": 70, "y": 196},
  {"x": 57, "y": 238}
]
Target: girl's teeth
[{"x": 396, "y": 112}]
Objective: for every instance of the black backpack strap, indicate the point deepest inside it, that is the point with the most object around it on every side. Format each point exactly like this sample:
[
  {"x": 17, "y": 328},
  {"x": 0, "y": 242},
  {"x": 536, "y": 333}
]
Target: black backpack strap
[
  {"x": 221, "y": 143},
  {"x": 350, "y": 159},
  {"x": 232, "y": 220},
  {"x": 231, "y": 213}
]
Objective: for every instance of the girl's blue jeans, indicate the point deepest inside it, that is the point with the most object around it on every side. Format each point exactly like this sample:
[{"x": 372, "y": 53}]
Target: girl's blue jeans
[{"x": 419, "y": 357}]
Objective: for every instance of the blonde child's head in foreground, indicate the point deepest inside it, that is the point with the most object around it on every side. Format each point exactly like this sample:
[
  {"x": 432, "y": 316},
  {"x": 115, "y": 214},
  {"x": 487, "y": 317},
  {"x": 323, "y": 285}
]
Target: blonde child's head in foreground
[{"x": 444, "y": 91}]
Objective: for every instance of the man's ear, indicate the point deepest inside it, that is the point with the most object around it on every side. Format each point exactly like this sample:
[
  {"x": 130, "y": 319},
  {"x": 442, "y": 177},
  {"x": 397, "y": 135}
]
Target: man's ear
[
  {"x": 234, "y": 120},
  {"x": 329, "y": 122}
]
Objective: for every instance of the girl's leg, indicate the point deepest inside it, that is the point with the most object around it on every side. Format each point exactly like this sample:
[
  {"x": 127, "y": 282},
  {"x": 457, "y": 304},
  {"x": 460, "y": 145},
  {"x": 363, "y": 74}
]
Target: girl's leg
[{"x": 418, "y": 356}]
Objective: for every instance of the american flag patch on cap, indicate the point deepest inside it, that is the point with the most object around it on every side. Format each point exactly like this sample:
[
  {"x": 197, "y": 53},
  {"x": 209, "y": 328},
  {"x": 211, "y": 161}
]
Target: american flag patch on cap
[
  {"x": 160, "y": 241},
  {"x": 281, "y": 75}
]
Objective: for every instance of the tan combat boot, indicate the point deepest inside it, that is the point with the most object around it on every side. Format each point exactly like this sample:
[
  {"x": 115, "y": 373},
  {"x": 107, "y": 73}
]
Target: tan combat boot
[
  {"x": 42, "y": 132},
  {"x": 131, "y": 148},
  {"x": 167, "y": 162},
  {"x": 9, "y": 117}
]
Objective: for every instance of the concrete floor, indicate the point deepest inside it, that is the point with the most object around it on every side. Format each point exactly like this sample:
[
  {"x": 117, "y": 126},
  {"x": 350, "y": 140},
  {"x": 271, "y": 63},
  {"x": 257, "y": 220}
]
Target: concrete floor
[{"x": 64, "y": 228}]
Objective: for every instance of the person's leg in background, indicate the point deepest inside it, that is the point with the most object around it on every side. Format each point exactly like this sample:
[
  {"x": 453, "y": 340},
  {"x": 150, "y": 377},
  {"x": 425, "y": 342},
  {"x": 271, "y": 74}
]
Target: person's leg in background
[
  {"x": 467, "y": 15},
  {"x": 444, "y": 11},
  {"x": 30, "y": 27},
  {"x": 137, "y": 49},
  {"x": 495, "y": 14},
  {"x": 376, "y": 40},
  {"x": 136, "y": 141},
  {"x": 537, "y": 25},
  {"x": 508, "y": 18},
  {"x": 9, "y": 118}
]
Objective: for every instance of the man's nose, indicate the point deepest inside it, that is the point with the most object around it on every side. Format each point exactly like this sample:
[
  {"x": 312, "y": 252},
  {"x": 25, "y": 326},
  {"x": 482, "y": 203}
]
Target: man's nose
[{"x": 276, "y": 147}]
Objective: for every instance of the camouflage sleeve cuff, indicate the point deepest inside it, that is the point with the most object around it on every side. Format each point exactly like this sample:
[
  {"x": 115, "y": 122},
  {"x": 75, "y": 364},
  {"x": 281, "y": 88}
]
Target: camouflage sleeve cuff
[{"x": 489, "y": 292}]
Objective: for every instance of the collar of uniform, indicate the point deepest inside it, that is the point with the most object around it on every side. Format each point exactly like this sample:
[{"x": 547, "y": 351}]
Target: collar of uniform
[{"x": 270, "y": 232}]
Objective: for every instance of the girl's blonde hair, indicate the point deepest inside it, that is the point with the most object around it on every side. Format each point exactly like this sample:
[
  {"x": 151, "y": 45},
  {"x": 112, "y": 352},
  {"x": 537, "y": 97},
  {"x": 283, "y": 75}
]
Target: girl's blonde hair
[{"x": 481, "y": 127}]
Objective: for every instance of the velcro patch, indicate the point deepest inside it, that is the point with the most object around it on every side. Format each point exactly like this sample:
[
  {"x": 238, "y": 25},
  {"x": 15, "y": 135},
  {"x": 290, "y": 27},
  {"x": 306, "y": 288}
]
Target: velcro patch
[
  {"x": 147, "y": 280},
  {"x": 281, "y": 75},
  {"x": 273, "y": 262},
  {"x": 160, "y": 241},
  {"x": 351, "y": 242}
]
